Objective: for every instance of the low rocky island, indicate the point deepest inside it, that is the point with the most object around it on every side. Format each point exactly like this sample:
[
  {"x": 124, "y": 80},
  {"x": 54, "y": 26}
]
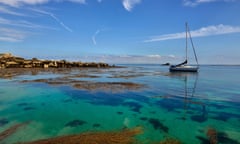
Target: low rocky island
[{"x": 7, "y": 60}]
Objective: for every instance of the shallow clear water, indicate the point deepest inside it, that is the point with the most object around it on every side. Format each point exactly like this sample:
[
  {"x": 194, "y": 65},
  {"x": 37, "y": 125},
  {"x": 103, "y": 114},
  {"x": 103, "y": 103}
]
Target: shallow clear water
[{"x": 177, "y": 105}]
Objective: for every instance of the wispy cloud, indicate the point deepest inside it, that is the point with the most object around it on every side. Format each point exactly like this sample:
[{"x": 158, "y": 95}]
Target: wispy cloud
[
  {"x": 94, "y": 37},
  {"x": 6, "y": 10},
  {"x": 193, "y": 3},
  {"x": 202, "y": 32},
  {"x": 17, "y": 3},
  {"x": 12, "y": 35},
  {"x": 21, "y": 23},
  {"x": 133, "y": 59},
  {"x": 129, "y": 4},
  {"x": 53, "y": 17}
]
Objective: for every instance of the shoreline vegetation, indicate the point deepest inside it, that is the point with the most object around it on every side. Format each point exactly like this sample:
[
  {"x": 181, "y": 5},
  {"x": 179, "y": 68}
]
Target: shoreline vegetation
[{"x": 7, "y": 60}]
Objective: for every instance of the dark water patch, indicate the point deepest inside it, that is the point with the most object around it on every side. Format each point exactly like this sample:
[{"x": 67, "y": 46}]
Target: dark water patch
[
  {"x": 134, "y": 115},
  {"x": 223, "y": 116},
  {"x": 157, "y": 125},
  {"x": 75, "y": 123},
  {"x": 143, "y": 118},
  {"x": 67, "y": 100},
  {"x": 83, "y": 76},
  {"x": 203, "y": 140},
  {"x": 190, "y": 112},
  {"x": 152, "y": 112},
  {"x": 3, "y": 122},
  {"x": 23, "y": 104},
  {"x": 29, "y": 108},
  {"x": 199, "y": 118},
  {"x": 183, "y": 118},
  {"x": 170, "y": 104},
  {"x": 120, "y": 113},
  {"x": 96, "y": 125},
  {"x": 134, "y": 106},
  {"x": 126, "y": 76},
  {"x": 218, "y": 106},
  {"x": 43, "y": 104},
  {"x": 223, "y": 138}
]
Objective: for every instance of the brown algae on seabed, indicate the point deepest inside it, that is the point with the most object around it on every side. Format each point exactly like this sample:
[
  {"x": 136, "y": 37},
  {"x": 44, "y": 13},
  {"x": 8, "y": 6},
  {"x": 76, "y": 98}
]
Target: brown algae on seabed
[
  {"x": 125, "y": 136},
  {"x": 90, "y": 85},
  {"x": 10, "y": 131}
]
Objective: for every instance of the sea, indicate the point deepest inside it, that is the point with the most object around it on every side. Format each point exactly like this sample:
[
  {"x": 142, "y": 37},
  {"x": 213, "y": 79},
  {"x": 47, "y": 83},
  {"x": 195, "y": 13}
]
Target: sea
[{"x": 190, "y": 108}]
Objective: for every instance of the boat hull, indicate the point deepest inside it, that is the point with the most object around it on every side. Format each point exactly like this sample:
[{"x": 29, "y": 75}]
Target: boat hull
[{"x": 183, "y": 69}]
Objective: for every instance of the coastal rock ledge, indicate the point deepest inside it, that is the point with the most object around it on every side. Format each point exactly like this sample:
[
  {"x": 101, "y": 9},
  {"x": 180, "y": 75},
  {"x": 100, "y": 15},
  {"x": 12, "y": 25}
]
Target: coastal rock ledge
[{"x": 7, "y": 60}]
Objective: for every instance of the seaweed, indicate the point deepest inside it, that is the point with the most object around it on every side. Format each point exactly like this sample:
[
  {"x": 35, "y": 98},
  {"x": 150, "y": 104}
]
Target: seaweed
[
  {"x": 215, "y": 137},
  {"x": 125, "y": 136},
  {"x": 212, "y": 136},
  {"x": 157, "y": 125},
  {"x": 170, "y": 141},
  {"x": 75, "y": 123},
  {"x": 8, "y": 132}
]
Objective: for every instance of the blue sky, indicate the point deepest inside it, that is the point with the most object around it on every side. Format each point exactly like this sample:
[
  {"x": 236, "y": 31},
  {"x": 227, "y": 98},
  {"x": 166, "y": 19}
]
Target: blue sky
[{"x": 121, "y": 31}]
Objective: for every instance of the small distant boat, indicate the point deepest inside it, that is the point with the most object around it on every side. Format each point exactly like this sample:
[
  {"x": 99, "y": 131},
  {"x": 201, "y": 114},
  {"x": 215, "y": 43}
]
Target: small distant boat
[{"x": 184, "y": 67}]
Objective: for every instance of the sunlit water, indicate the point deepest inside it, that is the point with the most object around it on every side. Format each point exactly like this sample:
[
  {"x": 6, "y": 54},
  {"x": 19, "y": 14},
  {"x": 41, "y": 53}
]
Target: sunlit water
[{"x": 181, "y": 106}]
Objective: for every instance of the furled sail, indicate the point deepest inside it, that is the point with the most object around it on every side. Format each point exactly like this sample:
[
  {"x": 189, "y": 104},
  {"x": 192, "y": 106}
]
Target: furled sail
[{"x": 183, "y": 63}]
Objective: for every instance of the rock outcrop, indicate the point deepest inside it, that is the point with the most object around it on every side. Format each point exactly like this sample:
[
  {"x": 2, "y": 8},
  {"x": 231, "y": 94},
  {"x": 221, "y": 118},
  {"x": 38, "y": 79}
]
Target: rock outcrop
[{"x": 7, "y": 60}]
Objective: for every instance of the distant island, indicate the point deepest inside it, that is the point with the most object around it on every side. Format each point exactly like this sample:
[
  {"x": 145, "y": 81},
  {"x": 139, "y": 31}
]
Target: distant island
[{"x": 7, "y": 60}]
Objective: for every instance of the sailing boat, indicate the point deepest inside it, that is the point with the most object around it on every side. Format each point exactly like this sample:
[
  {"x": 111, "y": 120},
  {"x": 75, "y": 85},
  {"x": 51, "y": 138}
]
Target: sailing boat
[{"x": 184, "y": 67}]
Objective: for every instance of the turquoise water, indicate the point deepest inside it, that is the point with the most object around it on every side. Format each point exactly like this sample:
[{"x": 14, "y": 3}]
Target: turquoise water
[{"x": 176, "y": 105}]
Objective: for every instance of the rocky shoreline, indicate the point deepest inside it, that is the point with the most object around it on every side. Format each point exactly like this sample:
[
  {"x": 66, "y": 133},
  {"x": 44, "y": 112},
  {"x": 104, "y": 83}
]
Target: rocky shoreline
[{"x": 7, "y": 60}]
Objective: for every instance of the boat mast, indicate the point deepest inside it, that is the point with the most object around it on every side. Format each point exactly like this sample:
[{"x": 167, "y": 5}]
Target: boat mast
[
  {"x": 186, "y": 41},
  {"x": 192, "y": 45}
]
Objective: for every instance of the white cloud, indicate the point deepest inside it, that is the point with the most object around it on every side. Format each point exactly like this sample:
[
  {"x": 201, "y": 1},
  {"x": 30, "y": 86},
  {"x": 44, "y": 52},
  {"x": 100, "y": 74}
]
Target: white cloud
[
  {"x": 17, "y": 3},
  {"x": 193, "y": 3},
  {"x": 12, "y": 35},
  {"x": 154, "y": 56},
  {"x": 202, "y": 32},
  {"x": 129, "y": 4},
  {"x": 53, "y": 17}
]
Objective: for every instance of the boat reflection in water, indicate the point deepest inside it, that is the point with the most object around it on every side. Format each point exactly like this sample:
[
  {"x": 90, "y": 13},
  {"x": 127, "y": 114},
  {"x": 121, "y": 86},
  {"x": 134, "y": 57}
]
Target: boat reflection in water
[{"x": 191, "y": 103}]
